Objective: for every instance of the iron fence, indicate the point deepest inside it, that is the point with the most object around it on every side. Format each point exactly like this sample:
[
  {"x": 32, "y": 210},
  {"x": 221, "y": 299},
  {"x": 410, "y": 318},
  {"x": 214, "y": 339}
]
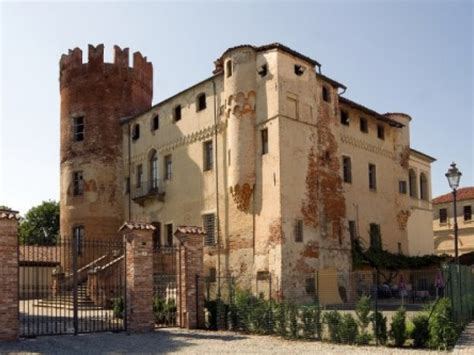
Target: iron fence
[{"x": 165, "y": 285}]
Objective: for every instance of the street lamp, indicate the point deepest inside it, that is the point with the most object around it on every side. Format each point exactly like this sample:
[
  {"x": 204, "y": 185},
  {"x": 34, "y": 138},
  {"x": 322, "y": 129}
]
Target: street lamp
[{"x": 454, "y": 175}]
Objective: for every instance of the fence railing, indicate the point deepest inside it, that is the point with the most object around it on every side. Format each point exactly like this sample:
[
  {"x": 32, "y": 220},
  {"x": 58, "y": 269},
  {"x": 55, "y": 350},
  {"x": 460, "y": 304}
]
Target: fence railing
[{"x": 148, "y": 189}]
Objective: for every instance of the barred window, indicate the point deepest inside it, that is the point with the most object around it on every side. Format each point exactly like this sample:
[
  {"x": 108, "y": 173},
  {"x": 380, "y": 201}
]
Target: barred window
[
  {"x": 78, "y": 129},
  {"x": 298, "y": 230},
  {"x": 78, "y": 183},
  {"x": 78, "y": 233},
  {"x": 209, "y": 224}
]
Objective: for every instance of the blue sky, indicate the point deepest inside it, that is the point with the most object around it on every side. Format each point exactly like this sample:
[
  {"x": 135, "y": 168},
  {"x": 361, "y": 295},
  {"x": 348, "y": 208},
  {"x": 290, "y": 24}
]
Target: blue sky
[{"x": 407, "y": 56}]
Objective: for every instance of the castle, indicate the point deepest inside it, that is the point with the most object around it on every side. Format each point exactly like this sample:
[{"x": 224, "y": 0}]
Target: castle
[{"x": 280, "y": 168}]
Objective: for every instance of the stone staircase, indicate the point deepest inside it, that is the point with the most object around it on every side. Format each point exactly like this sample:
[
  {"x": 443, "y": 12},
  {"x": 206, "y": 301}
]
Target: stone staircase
[{"x": 65, "y": 300}]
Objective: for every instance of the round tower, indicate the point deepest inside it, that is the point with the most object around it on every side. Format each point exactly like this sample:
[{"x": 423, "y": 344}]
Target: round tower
[
  {"x": 240, "y": 86},
  {"x": 94, "y": 97}
]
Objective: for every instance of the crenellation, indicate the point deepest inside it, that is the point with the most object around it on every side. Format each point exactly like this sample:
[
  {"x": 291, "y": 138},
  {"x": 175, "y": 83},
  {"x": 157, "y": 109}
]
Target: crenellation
[
  {"x": 96, "y": 56},
  {"x": 121, "y": 57}
]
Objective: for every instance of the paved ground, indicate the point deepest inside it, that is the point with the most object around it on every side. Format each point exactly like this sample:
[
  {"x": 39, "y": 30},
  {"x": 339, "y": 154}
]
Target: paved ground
[
  {"x": 465, "y": 344},
  {"x": 183, "y": 341}
]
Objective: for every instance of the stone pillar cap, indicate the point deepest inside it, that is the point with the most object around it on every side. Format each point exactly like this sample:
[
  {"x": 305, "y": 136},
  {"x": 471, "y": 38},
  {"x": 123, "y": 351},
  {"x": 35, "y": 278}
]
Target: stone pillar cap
[
  {"x": 9, "y": 214},
  {"x": 190, "y": 230},
  {"x": 130, "y": 225}
]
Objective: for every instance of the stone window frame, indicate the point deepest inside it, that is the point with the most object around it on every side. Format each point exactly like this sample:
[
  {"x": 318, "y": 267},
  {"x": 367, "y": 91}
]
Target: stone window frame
[
  {"x": 78, "y": 183},
  {"x": 78, "y": 129},
  {"x": 347, "y": 178}
]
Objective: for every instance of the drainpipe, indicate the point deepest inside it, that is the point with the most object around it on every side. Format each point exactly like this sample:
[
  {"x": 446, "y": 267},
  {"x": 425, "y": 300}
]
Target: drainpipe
[
  {"x": 216, "y": 164},
  {"x": 129, "y": 181}
]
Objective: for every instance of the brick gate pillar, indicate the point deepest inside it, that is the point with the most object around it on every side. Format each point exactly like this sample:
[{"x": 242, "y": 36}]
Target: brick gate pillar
[
  {"x": 9, "y": 322},
  {"x": 139, "y": 276},
  {"x": 190, "y": 300}
]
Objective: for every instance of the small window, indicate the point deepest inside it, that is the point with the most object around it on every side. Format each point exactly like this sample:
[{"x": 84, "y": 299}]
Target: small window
[
  {"x": 78, "y": 129},
  {"x": 209, "y": 225},
  {"x": 352, "y": 231},
  {"x": 402, "y": 187},
  {"x": 168, "y": 167},
  {"x": 467, "y": 213},
  {"x": 208, "y": 156},
  {"x": 136, "y": 132},
  {"x": 155, "y": 123},
  {"x": 139, "y": 177},
  {"x": 78, "y": 232},
  {"x": 372, "y": 177},
  {"x": 298, "y": 231},
  {"x": 344, "y": 118},
  {"x": 364, "y": 127},
  {"x": 201, "y": 102},
  {"x": 156, "y": 235},
  {"x": 78, "y": 183},
  {"x": 381, "y": 132},
  {"x": 177, "y": 113},
  {"x": 310, "y": 284},
  {"x": 375, "y": 236},
  {"x": 443, "y": 215},
  {"x": 347, "y": 169},
  {"x": 169, "y": 234},
  {"x": 264, "y": 136},
  {"x": 228, "y": 68},
  {"x": 299, "y": 69},
  {"x": 326, "y": 95}
]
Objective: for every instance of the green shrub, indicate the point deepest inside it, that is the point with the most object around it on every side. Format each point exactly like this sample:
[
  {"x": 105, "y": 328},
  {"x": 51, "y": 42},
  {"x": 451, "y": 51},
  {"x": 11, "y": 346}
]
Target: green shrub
[
  {"x": 363, "y": 308},
  {"x": 293, "y": 321},
  {"x": 260, "y": 316},
  {"x": 420, "y": 332},
  {"x": 318, "y": 322},
  {"x": 217, "y": 309},
  {"x": 118, "y": 307},
  {"x": 280, "y": 319},
  {"x": 348, "y": 330},
  {"x": 398, "y": 327},
  {"x": 379, "y": 323},
  {"x": 165, "y": 312},
  {"x": 443, "y": 331},
  {"x": 363, "y": 338},
  {"x": 333, "y": 320},
  {"x": 308, "y": 320}
]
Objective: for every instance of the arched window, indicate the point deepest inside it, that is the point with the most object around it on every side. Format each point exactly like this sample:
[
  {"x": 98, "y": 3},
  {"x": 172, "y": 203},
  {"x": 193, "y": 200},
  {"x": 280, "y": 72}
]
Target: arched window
[
  {"x": 412, "y": 183},
  {"x": 423, "y": 187},
  {"x": 153, "y": 170}
]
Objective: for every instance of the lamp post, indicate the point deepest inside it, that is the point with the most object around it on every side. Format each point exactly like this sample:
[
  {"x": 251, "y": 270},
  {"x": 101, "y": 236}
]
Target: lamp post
[{"x": 454, "y": 175}]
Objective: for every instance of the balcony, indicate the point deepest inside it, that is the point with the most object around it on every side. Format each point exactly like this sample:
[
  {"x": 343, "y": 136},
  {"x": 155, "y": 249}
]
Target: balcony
[{"x": 148, "y": 190}]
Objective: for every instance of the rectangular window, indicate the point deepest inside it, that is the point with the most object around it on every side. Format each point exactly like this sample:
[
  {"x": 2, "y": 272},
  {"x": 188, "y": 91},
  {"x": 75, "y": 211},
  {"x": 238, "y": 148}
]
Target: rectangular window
[
  {"x": 344, "y": 118},
  {"x": 352, "y": 231},
  {"x": 310, "y": 286},
  {"x": 169, "y": 234},
  {"x": 375, "y": 236},
  {"x": 168, "y": 167},
  {"x": 209, "y": 225},
  {"x": 298, "y": 230},
  {"x": 372, "y": 177},
  {"x": 78, "y": 128},
  {"x": 78, "y": 183},
  {"x": 177, "y": 113},
  {"x": 347, "y": 169},
  {"x": 264, "y": 137},
  {"x": 78, "y": 233},
  {"x": 139, "y": 176},
  {"x": 467, "y": 213},
  {"x": 381, "y": 132},
  {"x": 443, "y": 215},
  {"x": 364, "y": 126},
  {"x": 201, "y": 102},
  {"x": 208, "y": 156},
  {"x": 402, "y": 187},
  {"x": 155, "y": 123},
  {"x": 326, "y": 95}
]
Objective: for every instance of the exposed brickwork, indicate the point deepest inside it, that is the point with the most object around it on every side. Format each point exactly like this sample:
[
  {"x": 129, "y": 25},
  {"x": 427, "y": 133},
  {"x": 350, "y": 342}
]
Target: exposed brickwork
[
  {"x": 139, "y": 261},
  {"x": 9, "y": 324},
  {"x": 190, "y": 301}
]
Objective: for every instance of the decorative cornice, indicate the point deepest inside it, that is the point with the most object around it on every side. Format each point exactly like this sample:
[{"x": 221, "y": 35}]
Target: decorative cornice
[{"x": 358, "y": 143}]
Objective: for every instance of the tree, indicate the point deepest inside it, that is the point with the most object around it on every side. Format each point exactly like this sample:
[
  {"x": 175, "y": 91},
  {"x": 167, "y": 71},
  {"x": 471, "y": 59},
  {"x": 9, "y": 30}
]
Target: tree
[{"x": 41, "y": 224}]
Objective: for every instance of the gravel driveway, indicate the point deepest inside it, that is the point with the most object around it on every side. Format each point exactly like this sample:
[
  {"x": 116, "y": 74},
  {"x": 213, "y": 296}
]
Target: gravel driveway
[{"x": 184, "y": 341}]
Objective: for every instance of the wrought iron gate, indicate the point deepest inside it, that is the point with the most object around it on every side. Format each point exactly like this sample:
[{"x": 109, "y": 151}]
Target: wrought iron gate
[
  {"x": 165, "y": 278},
  {"x": 75, "y": 286}
]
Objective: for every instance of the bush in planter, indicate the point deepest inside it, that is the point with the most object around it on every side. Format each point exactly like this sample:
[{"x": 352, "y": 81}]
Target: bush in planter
[
  {"x": 420, "y": 332},
  {"x": 443, "y": 331},
  {"x": 398, "y": 331},
  {"x": 118, "y": 307},
  {"x": 379, "y": 323},
  {"x": 363, "y": 308},
  {"x": 333, "y": 321},
  {"x": 348, "y": 330}
]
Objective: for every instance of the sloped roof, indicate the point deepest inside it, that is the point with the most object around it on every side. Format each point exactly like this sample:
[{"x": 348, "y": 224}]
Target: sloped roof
[
  {"x": 137, "y": 225},
  {"x": 190, "y": 230},
  {"x": 464, "y": 193}
]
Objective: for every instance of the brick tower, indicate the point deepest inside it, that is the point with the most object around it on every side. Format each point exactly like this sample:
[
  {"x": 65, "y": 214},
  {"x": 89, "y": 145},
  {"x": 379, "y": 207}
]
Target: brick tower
[{"x": 94, "y": 97}]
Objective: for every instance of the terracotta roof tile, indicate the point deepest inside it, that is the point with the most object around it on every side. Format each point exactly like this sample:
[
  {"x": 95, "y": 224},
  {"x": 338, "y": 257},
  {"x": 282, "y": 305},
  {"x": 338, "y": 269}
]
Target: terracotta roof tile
[
  {"x": 464, "y": 193},
  {"x": 190, "y": 230},
  {"x": 9, "y": 214},
  {"x": 137, "y": 225}
]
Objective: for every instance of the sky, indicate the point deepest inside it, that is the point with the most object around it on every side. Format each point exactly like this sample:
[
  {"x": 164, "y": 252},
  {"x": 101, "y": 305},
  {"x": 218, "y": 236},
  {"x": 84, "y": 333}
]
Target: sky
[{"x": 414, "y": 57}]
